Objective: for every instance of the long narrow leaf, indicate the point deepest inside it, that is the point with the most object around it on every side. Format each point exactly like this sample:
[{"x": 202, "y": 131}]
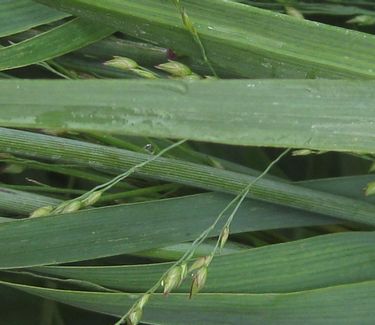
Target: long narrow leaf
[
  {"x": 315, "y": 114},
  {"x": 18, "y": 16},
  {"x": 106, "y": 158},
  {"x": 239, "y": 40},
  {"x": 331, "y": 259},
  {"x": 109, "y": 231},
  {"x": 334, "y": 305},
  {"x": 18, "y": 202},
  {"x": 63, "y": 39}
]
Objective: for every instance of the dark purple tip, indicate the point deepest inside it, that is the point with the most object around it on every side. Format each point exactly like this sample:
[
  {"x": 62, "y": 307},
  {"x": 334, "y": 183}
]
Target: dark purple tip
[{"x": 171, "y": 55}]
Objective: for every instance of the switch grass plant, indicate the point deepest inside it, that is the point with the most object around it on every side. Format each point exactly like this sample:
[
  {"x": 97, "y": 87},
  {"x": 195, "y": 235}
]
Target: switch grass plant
[{"x": 154, "y": 151}]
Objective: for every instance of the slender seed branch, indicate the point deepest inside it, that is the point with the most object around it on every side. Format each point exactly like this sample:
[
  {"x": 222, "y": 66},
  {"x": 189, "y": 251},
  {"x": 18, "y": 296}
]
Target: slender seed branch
[
  {"x": 190, "y": 252},
  {"x": 76, "y": 203},
  {"x": 193, "y": 31}
]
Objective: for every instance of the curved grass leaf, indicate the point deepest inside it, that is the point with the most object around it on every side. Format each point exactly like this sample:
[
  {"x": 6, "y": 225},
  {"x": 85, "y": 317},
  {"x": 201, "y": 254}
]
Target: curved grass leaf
[
  {"x": 239, "y": 40},
  {"x": 331, "y": 260},
  {"x": 18, "y": 202},
  {"x": 252, "y": 216},
  {"x": 346, "y": 304},
  {"x": 175, "y": 252},
  {"x": 21, "y": 15},
  {"x": 60, "y": 40},
  {"x": 22, "y": 202},
  {"x": 121, "y": 229},
  {"x": 349, "y": 186},
  {"x": 118, "y": 160},
  {"x": 321, "y": 7},
  {"x": 144, "y": 53},
  {"x": 314, "y": 114}
]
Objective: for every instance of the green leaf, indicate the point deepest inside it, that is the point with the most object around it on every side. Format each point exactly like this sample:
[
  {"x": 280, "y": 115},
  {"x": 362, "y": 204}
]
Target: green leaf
[
  {"x": 116, "y": 230},
  {"x": 314, "y": 114},
  {"x": 317, "y": 7},
  {"x": 118, "y": 160},
  {"x": 144, "y": 53},
  {"x": 332, "y": 260},
  {"x": 344, "y": 304},
  {"x": 239, "y": 40},
  {"x": 18, "y": 202},
  {"x": 21, "y": 15},
  {"x": 60, "y": 40},
  {"x": 22, "y": 202}
]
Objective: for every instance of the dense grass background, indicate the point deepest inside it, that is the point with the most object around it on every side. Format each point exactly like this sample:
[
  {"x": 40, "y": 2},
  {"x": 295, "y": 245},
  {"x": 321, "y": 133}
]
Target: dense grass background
[{"x": 240, "y": 82}]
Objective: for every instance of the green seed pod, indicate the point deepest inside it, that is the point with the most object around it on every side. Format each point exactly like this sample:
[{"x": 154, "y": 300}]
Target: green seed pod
[
  {"x": 92, "y": 198},
  {"x": 362, "y": 20},
  {"x": 71, "y": 207},
  {"x": 143, "y": 301},
  {"x": 42, "y": 212},
  {"x": 198, "y": 281},
  {"x": 175, "y": 68},
  {"x": 200, "y": 262},
  {"x": 171, "y": 280},
  {"x": 291, "y": 11},
  {"x": 122, "y": 63},
  {"x": 370, "y": 189},
  {"x": 211, "y": 78},
  {"x": 187, "y": 23},
  {"x": 184, "y": 270},
  {"x": 192, "y": 76},
  {"x": 144, "y": 74},
  {"x": 224, "y": 236},
  {"x": 302, "y": 152},
  {"x": 306, "y": 152},
  {"x": 134, "y": 317}
]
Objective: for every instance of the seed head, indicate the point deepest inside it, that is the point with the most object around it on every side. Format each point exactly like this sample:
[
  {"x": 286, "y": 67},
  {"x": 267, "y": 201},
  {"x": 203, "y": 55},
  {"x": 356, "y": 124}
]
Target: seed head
[
  {"x": 144, "y": 74},
  {"x": 184, "y": 270},
  {"x": 370, "y": 189},
  {"x": 71, "y": 207},
  {"x": 188, "y": 23},
  {"x": 134, "y": 316},
  {"x": 143, "y": 301},
  {"x": 42, "y": 212},
  {"x": 224, "y": 236},
  {"x": 200, "y": 262},
  {"x": 362, "y": 20},
  {"x": 92, "y": 198},
  {"x": 291, "y": 11},
  {"x": 175, "y": 68},
  {"x": 198, "y": 281},
  {"x": 171, "y": 280},
  {"x": 122, "y": 63}
]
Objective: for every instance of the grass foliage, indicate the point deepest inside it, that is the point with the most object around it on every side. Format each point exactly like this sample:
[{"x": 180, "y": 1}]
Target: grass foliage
[{"x": 187, "y": 162}]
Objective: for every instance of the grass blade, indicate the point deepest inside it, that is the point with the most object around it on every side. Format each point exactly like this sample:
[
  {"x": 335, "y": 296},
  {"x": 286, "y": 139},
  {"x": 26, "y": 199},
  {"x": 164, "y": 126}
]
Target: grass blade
[
  {"x": 333, "y": 305},
  {"x": 21, "y": 15},
  {"x": 106, "y": 158},
  {"x": 314, "y": 114},
  {"x": 240, "y": 40},
  {"x": 60, "y": 40},
  {"x": 18, "y": 202},
  {"x": 115, "y": 230},
  {"x": 333, "y": 260}
]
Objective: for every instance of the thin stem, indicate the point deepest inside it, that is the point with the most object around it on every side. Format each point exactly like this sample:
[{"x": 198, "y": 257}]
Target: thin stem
[
  {"x": 190, "y": 27},
  {"x": 190, "y": 252},
  {"x": 115, "y": 160},
  {"x": 242, "y": 196},
  {"x": 106, "y": 186}
]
